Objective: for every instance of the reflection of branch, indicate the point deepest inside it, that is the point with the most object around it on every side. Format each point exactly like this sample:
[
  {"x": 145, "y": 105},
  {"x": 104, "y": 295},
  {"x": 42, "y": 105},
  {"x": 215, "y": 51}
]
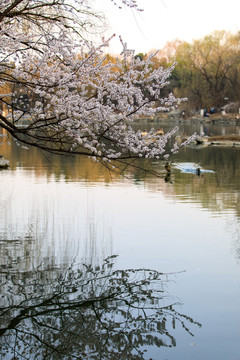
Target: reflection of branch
[{"x": 122, "y": 309}]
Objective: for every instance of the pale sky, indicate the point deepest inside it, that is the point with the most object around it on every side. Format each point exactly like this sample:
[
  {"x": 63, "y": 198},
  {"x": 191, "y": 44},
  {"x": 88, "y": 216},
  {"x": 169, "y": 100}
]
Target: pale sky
[{"x": 167, "y": 20}]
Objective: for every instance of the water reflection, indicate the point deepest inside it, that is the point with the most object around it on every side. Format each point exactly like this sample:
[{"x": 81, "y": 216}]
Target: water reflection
[
  {"x": 33, "y": 176},
  {"x": 53, "y": 209},
  {"x": 217, "y": 189},
  {"x": 49, "y": 219},
  {"x": 233, "y": 226},
  {"x": 87, "y": 312}
]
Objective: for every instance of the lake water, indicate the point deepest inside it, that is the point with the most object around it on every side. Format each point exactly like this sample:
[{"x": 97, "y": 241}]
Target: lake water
[{"x": 55, "y": 211}]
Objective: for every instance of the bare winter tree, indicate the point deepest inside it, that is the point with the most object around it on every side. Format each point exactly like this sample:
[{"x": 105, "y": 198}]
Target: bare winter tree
[{"x": 73, "y": 100}]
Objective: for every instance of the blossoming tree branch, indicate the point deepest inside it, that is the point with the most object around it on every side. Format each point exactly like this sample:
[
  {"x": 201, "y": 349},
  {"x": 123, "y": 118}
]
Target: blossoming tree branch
[{"x": 77, "y": 101}]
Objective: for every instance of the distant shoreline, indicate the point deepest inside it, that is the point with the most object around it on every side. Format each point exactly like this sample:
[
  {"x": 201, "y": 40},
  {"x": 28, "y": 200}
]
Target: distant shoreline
[{"x": 213, "y": 119}]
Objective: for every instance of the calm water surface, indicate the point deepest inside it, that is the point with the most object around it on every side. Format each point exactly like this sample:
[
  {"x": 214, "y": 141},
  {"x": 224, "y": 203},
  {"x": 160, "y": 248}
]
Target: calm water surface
[{"x": 54, "y": 211}]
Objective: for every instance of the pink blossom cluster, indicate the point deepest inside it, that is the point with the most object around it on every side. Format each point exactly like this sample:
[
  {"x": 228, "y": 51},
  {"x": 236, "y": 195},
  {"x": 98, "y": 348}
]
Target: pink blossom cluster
[{"x": 80, "y": 100}]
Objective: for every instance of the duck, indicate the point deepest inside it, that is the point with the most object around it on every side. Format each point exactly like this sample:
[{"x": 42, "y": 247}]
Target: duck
[{"x": 167, "y": 167}]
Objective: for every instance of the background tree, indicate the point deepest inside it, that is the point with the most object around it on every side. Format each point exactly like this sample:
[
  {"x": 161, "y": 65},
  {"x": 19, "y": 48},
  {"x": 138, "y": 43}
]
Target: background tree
[{"x": 209, "y": 70}]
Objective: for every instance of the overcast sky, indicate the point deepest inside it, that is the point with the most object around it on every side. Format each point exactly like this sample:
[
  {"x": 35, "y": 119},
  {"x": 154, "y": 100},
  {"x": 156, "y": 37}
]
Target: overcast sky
[{"x": 166, "y": 20}]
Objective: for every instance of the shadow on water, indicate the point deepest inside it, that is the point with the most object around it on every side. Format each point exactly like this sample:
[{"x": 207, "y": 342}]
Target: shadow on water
[{"x": 87, "y": 312}]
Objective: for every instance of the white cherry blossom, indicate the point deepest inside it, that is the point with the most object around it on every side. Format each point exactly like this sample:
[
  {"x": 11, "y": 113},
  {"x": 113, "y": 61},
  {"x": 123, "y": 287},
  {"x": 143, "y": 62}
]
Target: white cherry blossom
[{"x": 74, "y": 98}]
